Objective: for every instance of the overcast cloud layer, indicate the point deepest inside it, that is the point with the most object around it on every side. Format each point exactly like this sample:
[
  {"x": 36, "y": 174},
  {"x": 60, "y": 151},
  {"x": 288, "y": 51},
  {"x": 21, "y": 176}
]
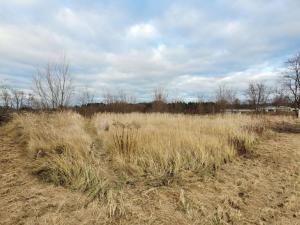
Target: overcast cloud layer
[{"x": 188, "y": 47}]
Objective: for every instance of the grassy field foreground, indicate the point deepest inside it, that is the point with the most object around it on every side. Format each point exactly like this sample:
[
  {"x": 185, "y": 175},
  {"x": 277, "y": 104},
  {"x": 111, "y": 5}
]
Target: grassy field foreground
[
  {"x": 111, "y": 150},
  {"x": 109, "y": 155}
]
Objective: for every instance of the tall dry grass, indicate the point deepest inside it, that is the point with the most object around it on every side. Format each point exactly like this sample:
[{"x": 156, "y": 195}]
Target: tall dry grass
[
  {"x": 164, "y": 144},
  {"x": 99, "y": 155},
  {"x": 61, "y": 151}
]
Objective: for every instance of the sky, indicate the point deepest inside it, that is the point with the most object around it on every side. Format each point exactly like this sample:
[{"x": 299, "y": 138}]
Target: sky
[{"x": 186, "y": 47}]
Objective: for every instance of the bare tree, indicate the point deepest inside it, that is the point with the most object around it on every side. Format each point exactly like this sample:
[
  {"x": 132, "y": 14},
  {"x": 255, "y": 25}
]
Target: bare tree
[
  {"x": 257, "y": 94},
  {"x": 30, "y": 101},
  {"x": 12, "y": 97},
  {"x": 280, "y": 97},
  {"x": 18, "y": 98},
  {"x": 108, "y": 97},
  {"x": 225, "y": 96},
  {"x": 53, "y": 85},
  {"x": 200, "y": 97},
  {"x": 119, "y": 96},
  {"x": 292, "y": 79},
  {"x": 86, "y": 97},
  {"x": 131, "y": 98},
  {"x": 175, "y": 96},
  {"x": 160, "y": 95},
  {"x": 124, "y": 97},
  {"x": 6, "y": 96}
]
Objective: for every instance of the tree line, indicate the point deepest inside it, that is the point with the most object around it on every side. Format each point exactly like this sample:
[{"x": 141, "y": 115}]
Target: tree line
[{"x": 53, "y": 89}]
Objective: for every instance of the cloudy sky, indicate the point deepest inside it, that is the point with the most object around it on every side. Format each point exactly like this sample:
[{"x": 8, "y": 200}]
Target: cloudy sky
[{"x": 188, "y": 47}]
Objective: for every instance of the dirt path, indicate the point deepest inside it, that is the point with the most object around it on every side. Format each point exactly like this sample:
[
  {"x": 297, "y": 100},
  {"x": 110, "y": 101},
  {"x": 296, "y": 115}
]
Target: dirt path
[{"x": 261, "y": 190}]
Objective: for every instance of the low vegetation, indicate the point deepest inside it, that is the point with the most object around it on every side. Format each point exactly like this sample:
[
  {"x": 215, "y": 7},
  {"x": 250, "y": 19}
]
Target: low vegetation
[
  {"x": 111, "y": 150},
  {"x": 120, "y": 163},
  {"x": 161, "y": 145}
]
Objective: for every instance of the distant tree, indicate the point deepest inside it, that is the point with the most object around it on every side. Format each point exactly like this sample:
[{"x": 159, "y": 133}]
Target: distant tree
[
  {"x": 108, "y": 97},
  {"x": 6, "y": 96},
  {"x": 257, "y": 94},
  {"x": 174, "y": 97},
  {"x": 292, "y": 79},
  {"x": 124, "y": 97},
  {"x": 86, "y": 97},
  {"x": 280, "y": 97},
  {"x": 225, "y": 96},
  {"x": 119, "y": 96},
  {"x": 18, "y": 98},
  {"x": 160, "y": 96},
  {"x": 200, "y": 98},
  {"x": 118, "y": 101},
  {"x": 53, "y": 85},
  {"x": 31, "y": 101},
  {"x": 236, "y": 103}
]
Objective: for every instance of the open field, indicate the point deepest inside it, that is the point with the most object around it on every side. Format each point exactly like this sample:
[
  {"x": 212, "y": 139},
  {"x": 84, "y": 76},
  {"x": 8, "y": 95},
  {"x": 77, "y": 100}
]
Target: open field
[{"x": 61, "y": 168}]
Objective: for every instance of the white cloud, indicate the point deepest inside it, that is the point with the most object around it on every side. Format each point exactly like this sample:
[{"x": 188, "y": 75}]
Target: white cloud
[
  {"x": 142, "y": 30},
  {"x": 191, "y": 85}
]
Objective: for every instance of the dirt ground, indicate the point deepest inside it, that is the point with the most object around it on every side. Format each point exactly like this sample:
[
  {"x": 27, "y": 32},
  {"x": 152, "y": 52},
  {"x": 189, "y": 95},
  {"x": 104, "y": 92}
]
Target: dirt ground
[{"x": 264, "y": 189}]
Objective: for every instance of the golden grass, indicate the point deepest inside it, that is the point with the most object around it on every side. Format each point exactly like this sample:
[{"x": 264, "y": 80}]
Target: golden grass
[
  {"x": 61, "y": 150},
  {"x": 150, "y": 169},
  {"x": 103, "y": 153},
  {"x": 163, "y": 144}
]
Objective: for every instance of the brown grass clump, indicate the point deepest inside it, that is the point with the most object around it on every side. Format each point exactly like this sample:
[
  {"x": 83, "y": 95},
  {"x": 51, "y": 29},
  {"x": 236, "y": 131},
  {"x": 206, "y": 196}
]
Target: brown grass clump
[
  {"x": 125, "y": 138},
  {"x": 61, "y": 151}
]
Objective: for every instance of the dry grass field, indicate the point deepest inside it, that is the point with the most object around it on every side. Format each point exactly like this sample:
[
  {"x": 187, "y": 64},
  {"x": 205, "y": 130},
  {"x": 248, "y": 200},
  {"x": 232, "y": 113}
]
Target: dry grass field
[{"x": 62, "y": 168}]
